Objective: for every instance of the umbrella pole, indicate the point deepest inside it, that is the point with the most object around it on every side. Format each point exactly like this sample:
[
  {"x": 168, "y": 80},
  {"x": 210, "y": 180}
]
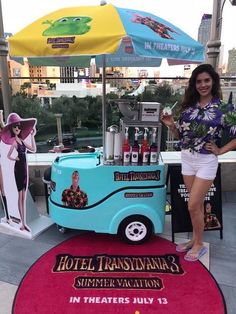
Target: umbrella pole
[{"x": 104, "y": 103}]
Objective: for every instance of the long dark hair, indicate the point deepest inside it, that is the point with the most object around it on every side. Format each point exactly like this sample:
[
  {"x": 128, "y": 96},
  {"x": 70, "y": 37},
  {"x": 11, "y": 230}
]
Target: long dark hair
[{"x": 191, "y": 96}]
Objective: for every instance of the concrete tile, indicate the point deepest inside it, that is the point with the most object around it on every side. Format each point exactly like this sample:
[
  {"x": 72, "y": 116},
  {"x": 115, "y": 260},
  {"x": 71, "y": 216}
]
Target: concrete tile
[
  {"x": 230, "y": 197},
  {"x": 17, "y": 256},
  {"x": 229, "y": 210},
  {"x": 6, "y": 297},
  {"x": 222, "y": 264},
  {"x": 229, "y": 296},
  {"x": 4, "y": 238}
]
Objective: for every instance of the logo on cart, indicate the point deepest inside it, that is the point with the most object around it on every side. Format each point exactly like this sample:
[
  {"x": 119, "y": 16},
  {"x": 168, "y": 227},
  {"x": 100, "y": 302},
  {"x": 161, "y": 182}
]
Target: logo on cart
[
  {"x": 138, "y": 194},
  {"x": 137, "y": 176}
]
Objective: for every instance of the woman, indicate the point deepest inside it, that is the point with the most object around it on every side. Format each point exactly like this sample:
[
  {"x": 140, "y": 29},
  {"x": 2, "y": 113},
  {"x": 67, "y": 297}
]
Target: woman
[
  {"x": 203, "y": 117},
  {"x": 14, "y": 133}
]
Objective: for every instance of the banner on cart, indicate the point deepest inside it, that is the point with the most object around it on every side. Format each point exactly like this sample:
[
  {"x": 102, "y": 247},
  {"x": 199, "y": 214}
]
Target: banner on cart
[{"x": 179, "y": 203}]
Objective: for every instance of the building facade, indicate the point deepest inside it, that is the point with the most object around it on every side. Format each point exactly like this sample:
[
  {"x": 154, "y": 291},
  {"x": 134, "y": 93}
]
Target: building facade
[
  {"x": 204, "y": 31},
  {"x": 231, "y": 68}
]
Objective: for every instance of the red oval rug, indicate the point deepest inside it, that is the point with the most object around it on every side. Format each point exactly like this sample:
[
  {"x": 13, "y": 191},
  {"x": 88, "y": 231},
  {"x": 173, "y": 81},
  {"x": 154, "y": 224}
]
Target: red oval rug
[{"x": 94, "y": 273}]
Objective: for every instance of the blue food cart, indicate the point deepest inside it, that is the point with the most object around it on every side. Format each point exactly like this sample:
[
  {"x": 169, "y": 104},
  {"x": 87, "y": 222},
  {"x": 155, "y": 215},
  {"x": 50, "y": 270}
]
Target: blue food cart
[{"x": 92, "y": 191}]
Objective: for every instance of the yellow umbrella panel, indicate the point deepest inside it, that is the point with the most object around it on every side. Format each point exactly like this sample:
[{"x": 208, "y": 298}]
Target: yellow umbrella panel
[{"x": 88, "y": 30}]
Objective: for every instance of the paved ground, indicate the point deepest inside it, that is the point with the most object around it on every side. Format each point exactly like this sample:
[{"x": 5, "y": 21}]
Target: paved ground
[{"x": 18, "y": 254}]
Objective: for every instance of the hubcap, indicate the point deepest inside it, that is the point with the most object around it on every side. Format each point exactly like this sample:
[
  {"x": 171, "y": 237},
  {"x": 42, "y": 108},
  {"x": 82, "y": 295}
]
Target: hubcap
[{"x": 135, "y": 231}]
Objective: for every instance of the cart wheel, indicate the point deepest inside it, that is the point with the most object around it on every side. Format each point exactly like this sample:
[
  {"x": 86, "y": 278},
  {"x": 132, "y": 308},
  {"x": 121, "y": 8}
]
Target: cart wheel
[
  {"x": 135, "y": 229},
  {"x": 61, "y": 229}
]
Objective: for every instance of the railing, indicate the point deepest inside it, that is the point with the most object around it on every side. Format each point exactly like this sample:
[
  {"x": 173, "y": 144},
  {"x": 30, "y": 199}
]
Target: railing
[{"x": 177, "y": 84}]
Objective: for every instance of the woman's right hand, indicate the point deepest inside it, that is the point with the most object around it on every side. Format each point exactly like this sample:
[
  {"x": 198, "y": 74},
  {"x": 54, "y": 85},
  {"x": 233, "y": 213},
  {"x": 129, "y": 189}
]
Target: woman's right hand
[{"x": 167, "y": 119}]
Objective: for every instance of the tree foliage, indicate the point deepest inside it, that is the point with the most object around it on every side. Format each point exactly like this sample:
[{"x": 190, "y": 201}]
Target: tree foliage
[
  {"x": 86, "y": 111},
  {"x": 27, "y": 107}
]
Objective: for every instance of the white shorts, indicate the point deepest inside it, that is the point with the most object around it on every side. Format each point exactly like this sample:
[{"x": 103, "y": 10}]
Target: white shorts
[{"x": 203, "y": 166}]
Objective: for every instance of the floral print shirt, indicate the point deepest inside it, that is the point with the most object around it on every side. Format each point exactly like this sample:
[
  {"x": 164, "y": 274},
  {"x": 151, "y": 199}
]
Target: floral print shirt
[
  {"x": 197, "y": 125},
  {"x": 74, "y": 199}
]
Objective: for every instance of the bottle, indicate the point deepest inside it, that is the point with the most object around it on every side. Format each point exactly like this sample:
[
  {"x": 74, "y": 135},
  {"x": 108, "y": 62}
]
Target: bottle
[
  {"x": 135, "y": 148},
  {"x": 145, "y": 150},
  {"x": 117, "y": 148},
  {"x": 153, "y": 148},
  {"x": 2, "y": 124},
  {"x": 126, "y": 148}
]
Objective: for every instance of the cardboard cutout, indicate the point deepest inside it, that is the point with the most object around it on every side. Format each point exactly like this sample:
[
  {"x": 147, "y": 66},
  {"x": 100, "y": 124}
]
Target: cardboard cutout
[{"x": 17, "y": 138}]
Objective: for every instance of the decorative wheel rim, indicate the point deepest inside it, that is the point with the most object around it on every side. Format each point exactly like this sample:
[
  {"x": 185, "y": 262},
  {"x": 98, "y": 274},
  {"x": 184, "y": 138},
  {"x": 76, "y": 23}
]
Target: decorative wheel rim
[{"x": 136, "y": 231}]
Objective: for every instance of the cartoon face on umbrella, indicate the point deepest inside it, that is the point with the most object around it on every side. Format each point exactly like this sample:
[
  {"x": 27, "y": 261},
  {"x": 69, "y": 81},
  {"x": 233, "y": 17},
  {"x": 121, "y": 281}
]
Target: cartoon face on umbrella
[{"x": 69, "y": 25}]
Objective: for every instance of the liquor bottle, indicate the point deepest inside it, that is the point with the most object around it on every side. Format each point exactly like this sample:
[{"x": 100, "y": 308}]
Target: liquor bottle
[
  {"x": 126, "y": 148},
  {"x": 135, "y": 148},
  {"x": 153, "y": 148},
  {"x": 145, "y": 150}
]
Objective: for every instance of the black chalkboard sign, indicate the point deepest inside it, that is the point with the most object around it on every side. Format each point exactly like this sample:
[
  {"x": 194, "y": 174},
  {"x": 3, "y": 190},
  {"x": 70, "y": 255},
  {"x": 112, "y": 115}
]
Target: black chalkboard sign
[{"x": 180, "y": 218}]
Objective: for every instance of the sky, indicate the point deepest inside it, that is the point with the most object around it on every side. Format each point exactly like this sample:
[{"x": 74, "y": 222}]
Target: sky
[{"x": 185, "y": 14}]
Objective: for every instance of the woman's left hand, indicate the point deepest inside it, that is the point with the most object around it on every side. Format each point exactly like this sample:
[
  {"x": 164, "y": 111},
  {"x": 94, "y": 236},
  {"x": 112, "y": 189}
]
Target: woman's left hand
[{"x": 213, "y": 148}]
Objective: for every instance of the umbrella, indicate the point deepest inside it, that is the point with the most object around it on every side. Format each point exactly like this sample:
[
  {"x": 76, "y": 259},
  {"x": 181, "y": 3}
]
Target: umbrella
[
  {"x": 97, "y": 30},
  {"x": 121, "y": 34}
]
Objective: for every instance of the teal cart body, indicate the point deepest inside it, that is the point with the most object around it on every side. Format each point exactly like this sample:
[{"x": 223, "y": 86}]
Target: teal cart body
[{"x": 118, "y": 199}]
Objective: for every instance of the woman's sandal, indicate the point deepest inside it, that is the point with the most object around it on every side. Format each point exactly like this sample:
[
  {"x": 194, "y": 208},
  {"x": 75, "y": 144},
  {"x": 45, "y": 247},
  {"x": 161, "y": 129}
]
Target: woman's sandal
[
  {"x": 192, "y": 256},
  {"x": 184, "y": 247}
]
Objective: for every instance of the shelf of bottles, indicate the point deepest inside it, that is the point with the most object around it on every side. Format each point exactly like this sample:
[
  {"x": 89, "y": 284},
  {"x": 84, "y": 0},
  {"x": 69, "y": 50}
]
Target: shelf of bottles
[
  {"x": 137, "y": 139},
  {"x": 140, "y": 142}
]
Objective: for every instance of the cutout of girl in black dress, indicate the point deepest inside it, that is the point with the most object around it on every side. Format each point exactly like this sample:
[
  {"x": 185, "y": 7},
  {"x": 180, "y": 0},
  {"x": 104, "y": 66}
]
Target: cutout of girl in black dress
[{"x": 15, "y": 133}]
